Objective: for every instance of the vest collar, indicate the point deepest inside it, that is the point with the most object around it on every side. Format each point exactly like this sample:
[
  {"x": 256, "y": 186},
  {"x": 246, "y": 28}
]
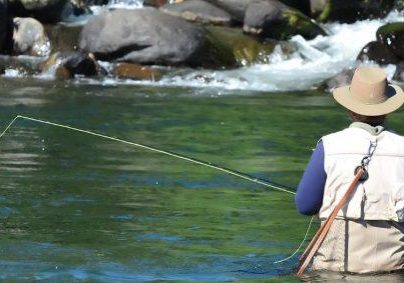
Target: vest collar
[{"x": 374, "y": 131}]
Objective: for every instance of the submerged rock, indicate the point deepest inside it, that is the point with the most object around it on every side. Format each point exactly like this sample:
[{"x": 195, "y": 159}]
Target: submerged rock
[
  {"x": 392, "y": 35},
  {"x": 43, "y": 10},
  {"x": 69, "y": 64},
  {"x": 144, "y": 36},
  {"x": 349, "y": 11},
  {"x": 198, "y": 11},
  {"x": 136, "y": 72},
  {"x": 379, "y": 53},
  {"x": 274, "y": 19},
  {"x": 29, "y": 38}
]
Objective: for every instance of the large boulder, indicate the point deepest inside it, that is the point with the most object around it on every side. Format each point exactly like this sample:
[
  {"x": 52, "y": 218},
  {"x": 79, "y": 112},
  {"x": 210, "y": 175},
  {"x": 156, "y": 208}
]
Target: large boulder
[
  {"x": 43, "y": 10},
  {"x": 274, "y": 19},
  {"x": 198, "y": 11},
  {"x": 392, "y": 35},
  {"x": 350, "y": 11},
  {"x": 29, "y": 38},
  {"x": 144, "y": 36},
  {"x": 379, "y": 53}
]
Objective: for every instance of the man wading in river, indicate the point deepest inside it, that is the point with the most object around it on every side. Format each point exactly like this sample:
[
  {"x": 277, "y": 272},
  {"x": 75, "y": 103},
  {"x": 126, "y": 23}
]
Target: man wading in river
[{"x": 368, "y": 232}]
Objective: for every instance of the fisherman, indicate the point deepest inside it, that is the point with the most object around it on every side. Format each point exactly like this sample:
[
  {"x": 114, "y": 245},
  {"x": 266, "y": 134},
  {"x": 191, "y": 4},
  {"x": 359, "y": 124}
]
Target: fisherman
[{"x": 368, "y": 232}]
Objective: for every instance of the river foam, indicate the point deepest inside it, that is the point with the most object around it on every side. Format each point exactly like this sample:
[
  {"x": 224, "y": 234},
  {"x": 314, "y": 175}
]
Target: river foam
[{"x": 312, "y": 62}]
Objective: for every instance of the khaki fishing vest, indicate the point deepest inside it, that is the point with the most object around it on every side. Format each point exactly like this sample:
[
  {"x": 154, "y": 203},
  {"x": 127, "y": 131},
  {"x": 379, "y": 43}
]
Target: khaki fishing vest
[{"x": 381, "y": 197}]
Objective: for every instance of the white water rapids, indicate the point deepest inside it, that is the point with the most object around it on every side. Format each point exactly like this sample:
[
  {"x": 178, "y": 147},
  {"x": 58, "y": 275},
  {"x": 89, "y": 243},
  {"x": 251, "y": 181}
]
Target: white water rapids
[{"x": 312, "y": 62}]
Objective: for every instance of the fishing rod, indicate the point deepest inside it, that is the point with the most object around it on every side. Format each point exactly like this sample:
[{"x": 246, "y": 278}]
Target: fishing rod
[{"x": 268, "y": 184}]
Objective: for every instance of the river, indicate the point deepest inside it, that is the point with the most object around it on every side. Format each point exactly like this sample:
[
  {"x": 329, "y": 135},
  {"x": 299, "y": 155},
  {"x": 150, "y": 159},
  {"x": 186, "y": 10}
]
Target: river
[
  {"x": 78, "y": 207},
  {"x": 75, "y": 207}
]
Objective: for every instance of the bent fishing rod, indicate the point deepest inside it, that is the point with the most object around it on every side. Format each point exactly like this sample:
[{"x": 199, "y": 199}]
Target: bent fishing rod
[{"x": 267, "y": 184}]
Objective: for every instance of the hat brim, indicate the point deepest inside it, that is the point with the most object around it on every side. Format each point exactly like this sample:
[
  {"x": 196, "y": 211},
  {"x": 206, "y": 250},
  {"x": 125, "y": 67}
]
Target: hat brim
[{"x": 396, "y": 98}]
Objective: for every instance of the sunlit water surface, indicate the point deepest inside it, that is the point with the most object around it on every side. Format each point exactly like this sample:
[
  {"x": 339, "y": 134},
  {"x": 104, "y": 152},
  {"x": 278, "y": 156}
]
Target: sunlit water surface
[{"x": 77, "y": 207}]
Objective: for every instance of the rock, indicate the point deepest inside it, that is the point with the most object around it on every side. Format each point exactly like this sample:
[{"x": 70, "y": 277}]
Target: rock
[
  {"x": 399, "y": 74},
  {"x": 341, "y": 79},
  {"x": 29, "y": 38},
  {"x": 155, "y": 3},
  {"x": 3, "y": 24},
  {"x": 159, "y": 3},
  {"x": 78, "y": 8},
  {"x": 236, "y": 8},
  {"x": 136, "y": 72},
  {"x": 399, "y": 5},
  {"x": 274, "y": 19},
  {"x": 229, "y": 47},
  {"x": 392, "y": 35},
  {"x": 379, "y": 53},
  {"x": 43, "y": 10},
  {"x": 349, "y": 11},
  {"x": 144, "y": 36},
  {"x": 62, "y": 37},
  {"x": 68, "y": 64},
  {"x": 198, "y": 11},
  {"x": 300, "y": 5}
]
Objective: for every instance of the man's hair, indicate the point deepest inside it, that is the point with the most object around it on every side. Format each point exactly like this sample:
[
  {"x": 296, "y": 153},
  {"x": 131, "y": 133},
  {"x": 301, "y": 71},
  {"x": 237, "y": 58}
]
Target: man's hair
[{"x": 371, "y": 120}]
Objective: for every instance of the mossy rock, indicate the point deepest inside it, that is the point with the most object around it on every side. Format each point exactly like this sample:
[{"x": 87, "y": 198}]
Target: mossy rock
[
  {"x": 392, "y": 35},
  {"x": 278, "y": 21},
  {"x": 399, "y": 5},
  {"x": 349, "y": 11},
  {"x": 229, "y": 47},
  {"x": 298, "y": 23}
]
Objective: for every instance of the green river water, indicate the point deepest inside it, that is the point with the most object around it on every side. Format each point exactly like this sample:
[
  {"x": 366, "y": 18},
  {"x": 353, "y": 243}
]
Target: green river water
[{"x": 75, "y": 207}]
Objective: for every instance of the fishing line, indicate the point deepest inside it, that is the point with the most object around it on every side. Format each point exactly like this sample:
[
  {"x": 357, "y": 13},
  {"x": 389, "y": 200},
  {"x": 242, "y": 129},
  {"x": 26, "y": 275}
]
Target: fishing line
[
  {"x": 272, "y": 185},
  {"x": 301, "y": 244},
  {"x": 244, "y": 176}
]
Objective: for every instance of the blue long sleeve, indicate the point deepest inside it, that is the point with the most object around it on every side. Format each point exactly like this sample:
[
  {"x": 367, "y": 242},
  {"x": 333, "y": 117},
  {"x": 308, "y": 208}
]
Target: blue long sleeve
[{"x": 309, "y": 195}]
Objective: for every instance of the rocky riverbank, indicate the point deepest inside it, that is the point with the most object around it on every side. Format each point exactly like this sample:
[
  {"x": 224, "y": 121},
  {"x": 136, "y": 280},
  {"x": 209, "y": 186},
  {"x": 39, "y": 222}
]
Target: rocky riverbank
[{"x": 211, "y": 34}]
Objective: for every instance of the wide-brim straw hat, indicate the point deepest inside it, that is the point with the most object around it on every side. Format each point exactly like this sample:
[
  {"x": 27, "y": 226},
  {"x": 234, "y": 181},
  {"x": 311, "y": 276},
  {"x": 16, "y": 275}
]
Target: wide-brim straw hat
[{"x": 369, "y": 93}]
